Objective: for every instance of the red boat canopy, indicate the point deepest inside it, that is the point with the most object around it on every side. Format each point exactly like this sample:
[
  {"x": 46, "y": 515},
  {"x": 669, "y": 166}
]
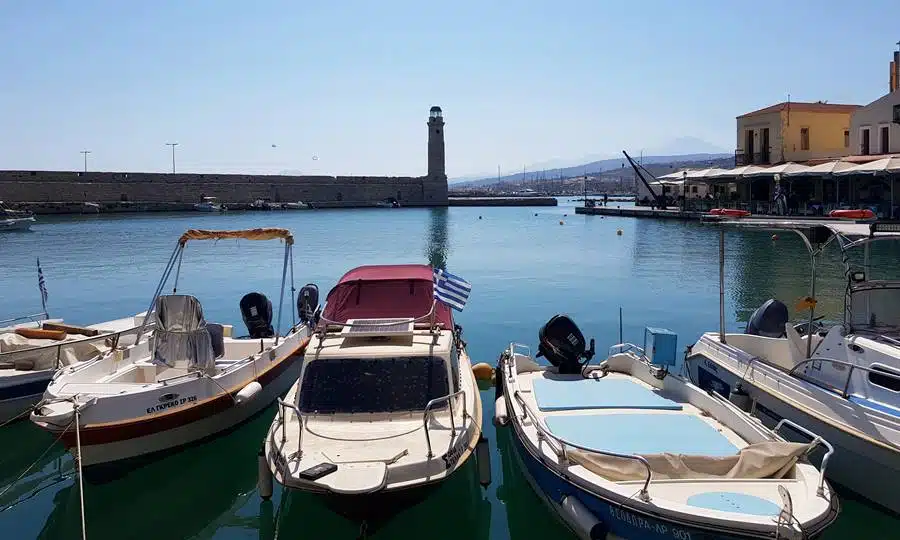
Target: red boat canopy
[{"x": 385, "y": 291}]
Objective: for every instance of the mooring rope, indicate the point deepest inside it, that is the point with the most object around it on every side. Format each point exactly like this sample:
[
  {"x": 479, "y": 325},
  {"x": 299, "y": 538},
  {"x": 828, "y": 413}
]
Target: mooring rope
[
  {"x": 27, "y": 469},
  {"x": 80, "y": 476}
]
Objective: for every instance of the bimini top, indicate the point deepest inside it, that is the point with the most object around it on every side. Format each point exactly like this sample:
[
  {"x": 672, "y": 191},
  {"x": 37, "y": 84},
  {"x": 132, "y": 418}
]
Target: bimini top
[
  {"x": 249, "y": 234},
  {"x": 386, "y": 291},
  {"x": 848, "y": 234}
]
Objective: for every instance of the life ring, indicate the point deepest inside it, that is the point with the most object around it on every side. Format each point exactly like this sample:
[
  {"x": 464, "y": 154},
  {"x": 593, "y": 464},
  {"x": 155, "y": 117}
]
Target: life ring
[
  {"x": 863, "y": 213},
  {"x": 733, "y": 212}
]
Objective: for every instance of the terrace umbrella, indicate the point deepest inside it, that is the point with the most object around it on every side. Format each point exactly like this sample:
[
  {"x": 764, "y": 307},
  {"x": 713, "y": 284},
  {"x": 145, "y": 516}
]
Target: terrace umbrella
[{"x": 888, "y": 165}]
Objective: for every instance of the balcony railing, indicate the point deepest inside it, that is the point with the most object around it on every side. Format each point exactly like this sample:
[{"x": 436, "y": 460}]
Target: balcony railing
[{"x": 745, "y": 158}]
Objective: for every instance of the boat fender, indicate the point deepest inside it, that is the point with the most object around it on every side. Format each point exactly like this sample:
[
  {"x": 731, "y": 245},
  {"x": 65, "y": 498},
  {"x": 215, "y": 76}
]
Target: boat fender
[
  {"x": 483, "y": 457},
  {"x": 501, "y": 417},
  {"x": 248, "y": 392},
  {"x": 583, "y": 520},
  {"x": 740, "y": 398},
  {"x": 264, "y": 483},
  {"x": 483, "y": 371}
]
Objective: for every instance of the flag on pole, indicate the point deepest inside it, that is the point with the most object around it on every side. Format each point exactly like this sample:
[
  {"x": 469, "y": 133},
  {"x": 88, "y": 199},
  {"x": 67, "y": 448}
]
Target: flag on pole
[
  {"x": 451, "y": 290},
  {"x": 42, "y": 285}
]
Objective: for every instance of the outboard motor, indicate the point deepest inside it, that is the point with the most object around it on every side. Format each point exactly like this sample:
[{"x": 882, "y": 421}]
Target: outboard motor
[
  {"x": 256, "y": 310},
  {"x": 768, "y": 320},
  {"x": 563, "y": 345},
  {"x": 308, "y": 304}
]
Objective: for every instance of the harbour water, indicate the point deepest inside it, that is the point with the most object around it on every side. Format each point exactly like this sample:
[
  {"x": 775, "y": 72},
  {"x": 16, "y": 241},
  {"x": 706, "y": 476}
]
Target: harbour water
[{"x": 525, "y": 264}]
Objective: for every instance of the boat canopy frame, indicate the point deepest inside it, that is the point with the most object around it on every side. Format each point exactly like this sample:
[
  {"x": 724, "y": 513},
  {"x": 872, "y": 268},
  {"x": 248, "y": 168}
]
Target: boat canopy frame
[
  {"x": 177, "y": 256},
  {"x": 816, "y": 236}
]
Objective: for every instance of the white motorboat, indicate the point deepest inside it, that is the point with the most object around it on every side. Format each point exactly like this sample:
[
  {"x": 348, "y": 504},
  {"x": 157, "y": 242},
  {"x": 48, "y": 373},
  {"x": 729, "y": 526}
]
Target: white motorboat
[
  {"x": 386, "y": 406},
  {"x": 187, "y": 381},
  {"x": 625, "y": 449},
  {"x": 209, "y": 204},
  {"x": 841, "y": 381},
  {"x": 16, "y": 224},
  {"x": 32, "y": 351},
  {"x": 299, "y": 205},
  {"x": 14, "y": 220}
]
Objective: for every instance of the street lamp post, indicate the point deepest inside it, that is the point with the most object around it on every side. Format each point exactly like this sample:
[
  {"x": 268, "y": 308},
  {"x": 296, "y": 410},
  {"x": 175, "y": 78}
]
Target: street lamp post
[
  {"x": 684, "y": 191},
  {"x": 173, "y": 145},
  {"x": 85, "y": 154}
]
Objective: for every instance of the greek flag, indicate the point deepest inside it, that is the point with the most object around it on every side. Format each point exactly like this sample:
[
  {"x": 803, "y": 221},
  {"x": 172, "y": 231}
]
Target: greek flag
[
  {"x": 42, "y": 285},
  {"x": 451, "y": 290}
]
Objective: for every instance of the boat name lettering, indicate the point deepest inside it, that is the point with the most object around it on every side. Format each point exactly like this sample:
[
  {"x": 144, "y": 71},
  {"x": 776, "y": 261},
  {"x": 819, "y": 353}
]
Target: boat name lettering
[
  {"x": 175, "y": 402},
  {"x": 638, "y": 521},
  {"x": 452, "y": 455},
  {"x": 710, "y": 364}
]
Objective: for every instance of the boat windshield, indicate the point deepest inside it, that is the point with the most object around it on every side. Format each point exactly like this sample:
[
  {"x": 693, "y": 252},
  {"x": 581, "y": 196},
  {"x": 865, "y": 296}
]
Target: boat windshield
[
  {"x": 352, "y": 385},
  {"x": 875, "y": 306}
]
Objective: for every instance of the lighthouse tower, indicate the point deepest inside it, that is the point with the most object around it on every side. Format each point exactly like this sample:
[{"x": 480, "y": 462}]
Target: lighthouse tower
[
  {"x": 435, "y": 187},
  {"x": 436, "y": 170}
]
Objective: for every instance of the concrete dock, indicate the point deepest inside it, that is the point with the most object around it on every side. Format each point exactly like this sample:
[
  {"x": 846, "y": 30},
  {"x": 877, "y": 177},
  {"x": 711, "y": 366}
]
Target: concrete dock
[
  {"x": 502, "y": 201},
  {"x": 638, "y": 211}
]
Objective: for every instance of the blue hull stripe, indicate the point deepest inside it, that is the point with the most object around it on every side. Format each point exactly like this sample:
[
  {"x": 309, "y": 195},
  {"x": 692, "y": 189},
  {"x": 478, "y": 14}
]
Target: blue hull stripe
[{"x": 23, "y": 390}]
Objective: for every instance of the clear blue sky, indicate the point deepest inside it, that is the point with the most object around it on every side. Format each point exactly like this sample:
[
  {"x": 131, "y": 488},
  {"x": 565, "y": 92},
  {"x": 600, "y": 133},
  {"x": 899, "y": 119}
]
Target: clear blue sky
[{"x": 352, "y": 81}]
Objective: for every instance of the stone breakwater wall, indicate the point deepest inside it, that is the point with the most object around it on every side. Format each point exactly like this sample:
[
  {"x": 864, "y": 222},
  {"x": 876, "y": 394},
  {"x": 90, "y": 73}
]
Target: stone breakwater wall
[{"x": 66, "y": 188}]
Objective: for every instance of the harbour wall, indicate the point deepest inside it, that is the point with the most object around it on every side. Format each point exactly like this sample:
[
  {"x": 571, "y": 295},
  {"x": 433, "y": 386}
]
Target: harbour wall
[{"x": 58, "y": 191}]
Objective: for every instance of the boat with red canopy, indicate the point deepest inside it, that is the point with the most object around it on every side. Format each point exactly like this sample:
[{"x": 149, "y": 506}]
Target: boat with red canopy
[{"x": 386, "y": 403}]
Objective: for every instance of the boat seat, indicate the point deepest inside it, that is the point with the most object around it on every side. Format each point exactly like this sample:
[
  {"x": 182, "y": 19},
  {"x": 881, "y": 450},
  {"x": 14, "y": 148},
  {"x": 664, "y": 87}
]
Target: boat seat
[
  {"x": 642, "y": 433},
  {"x": 575, "y": 394}
]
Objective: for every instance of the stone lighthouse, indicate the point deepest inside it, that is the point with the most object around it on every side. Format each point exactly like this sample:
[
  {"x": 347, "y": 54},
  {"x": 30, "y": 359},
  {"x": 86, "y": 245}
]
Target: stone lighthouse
[{"x": 436, "y": 170}]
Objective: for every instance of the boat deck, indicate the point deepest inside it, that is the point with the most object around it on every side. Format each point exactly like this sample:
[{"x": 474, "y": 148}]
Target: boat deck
[{"x": 618, "y": 413}]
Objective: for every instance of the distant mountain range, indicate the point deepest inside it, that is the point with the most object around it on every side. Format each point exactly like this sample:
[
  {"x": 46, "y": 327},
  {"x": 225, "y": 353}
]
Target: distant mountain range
[
  {"x": 679, "y": 150},
  {"x": 606, "y": 166}
]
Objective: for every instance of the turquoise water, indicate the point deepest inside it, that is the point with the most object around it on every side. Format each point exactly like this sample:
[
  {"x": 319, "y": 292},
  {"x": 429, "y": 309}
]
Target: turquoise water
[{"x": 524, "y": 266}]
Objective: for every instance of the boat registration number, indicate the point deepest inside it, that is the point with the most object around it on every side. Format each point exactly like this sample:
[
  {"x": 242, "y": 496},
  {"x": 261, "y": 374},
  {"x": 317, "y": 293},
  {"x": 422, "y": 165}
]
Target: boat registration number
[
  {"x": 171, "y": 403},
  {"x": 642, "y": 523}
]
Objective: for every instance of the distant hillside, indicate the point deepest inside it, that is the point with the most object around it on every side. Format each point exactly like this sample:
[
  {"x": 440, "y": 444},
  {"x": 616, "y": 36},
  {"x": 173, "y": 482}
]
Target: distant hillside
[{"x": 605, "y": 166}]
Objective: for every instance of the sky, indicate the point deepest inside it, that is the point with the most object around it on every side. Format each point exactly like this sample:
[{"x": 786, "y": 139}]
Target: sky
[{"x": 345, "y": 87}]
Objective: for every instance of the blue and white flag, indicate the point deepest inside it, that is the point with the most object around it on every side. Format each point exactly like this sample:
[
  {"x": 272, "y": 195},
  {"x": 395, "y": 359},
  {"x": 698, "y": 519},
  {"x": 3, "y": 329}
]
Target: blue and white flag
[
  {"x": 451, "y": 290},
  {"x": 42, "y": 285}
]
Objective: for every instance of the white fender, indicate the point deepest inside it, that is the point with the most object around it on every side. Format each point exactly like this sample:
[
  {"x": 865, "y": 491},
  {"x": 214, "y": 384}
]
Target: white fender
[
  {"x": 581, "y": 519},
  {"x": 501, "y": 417},
  {"x": 248, "y": 392}
]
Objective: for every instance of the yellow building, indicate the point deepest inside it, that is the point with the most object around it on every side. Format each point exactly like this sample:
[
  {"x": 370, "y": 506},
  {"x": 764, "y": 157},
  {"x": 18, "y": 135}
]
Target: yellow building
[{"x": 793, "y": 131}]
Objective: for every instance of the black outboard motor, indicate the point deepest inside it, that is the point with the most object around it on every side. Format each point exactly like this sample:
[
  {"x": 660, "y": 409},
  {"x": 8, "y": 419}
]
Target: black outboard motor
[
  {"x": 768, "y": 320},
  {"x": 256, "y": 310},
  {"x": 308, "y": 304},
  {"x": 563, "y": 345}
]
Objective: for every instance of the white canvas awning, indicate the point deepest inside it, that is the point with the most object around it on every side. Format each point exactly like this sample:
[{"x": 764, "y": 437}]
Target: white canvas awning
[
  {"x": 672, "y": 176},
  {"x": 823, "y": 169},
  {"x": 784, "y": 168},
  {"x": 881, "y": 166}
]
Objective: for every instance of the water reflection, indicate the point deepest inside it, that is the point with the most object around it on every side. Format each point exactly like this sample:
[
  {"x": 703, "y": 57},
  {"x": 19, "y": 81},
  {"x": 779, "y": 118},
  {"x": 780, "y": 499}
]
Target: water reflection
[{"x": 436, "y": 246}]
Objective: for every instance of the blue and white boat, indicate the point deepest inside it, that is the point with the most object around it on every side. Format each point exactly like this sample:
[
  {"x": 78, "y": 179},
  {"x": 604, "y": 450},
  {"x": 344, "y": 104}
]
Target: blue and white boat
[
  {"x": 841, "y": 380},
  {"x": 626, "y": 449}
]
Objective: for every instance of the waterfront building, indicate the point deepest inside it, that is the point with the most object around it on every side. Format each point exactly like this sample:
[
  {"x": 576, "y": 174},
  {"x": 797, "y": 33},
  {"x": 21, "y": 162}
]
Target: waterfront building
[{"x": 793, "y": 131}]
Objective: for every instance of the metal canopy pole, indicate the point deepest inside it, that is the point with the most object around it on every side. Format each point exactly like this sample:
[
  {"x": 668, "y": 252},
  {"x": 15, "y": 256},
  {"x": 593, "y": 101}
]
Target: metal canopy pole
[
  {"x": 721, "y": 284},
  {"x": 812, "y": 306}
]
